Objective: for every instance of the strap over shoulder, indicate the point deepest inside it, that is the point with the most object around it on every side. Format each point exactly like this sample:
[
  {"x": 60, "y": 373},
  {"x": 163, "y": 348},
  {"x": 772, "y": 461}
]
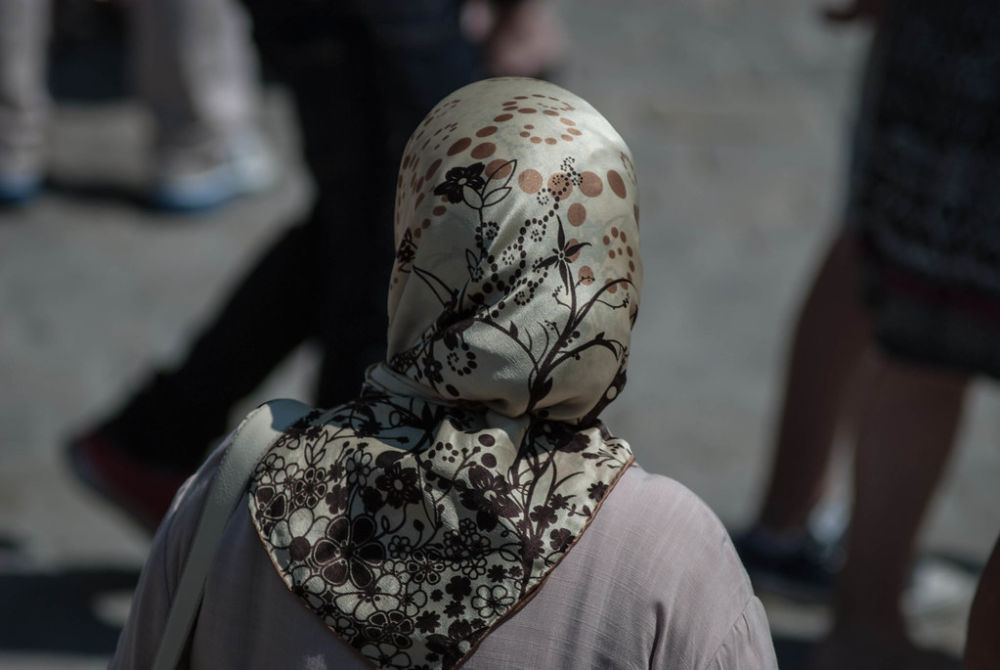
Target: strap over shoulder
[{"x": 255, "y": 434}]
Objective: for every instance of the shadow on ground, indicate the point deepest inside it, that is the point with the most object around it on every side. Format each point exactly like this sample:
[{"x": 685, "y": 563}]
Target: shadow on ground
[
  {"x": 55, "y": 611},
  {"x": 793, "y": 653},
  {"x": 96, "y": 191}
]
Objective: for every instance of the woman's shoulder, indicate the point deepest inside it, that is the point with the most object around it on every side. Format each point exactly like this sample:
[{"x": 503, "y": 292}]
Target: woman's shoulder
[
  {"x": 644, "y": 502},
  {"x": 657, "y": 566},
  {"x": 663, "y": 538}
]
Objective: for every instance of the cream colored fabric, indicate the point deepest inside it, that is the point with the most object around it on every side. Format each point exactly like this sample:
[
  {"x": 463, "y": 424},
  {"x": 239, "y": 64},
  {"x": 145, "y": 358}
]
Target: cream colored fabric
[
  {"x": 517, "y": 271},
  {"x": 415, "y": 519},
  {"x": 653, "y": 583}
]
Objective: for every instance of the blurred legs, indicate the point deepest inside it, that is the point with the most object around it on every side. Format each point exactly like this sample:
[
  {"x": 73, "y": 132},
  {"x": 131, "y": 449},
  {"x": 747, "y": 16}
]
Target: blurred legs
[
  {"x": 906, "y": 429},
  {"x": 982, "y": 648},
  {"x": 196, "y": 69},
  {"x": 831, "y": 336},
  {"x": 25, "y": 26}
]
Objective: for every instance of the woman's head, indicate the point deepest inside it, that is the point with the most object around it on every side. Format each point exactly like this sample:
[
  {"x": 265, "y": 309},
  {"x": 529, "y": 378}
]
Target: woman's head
[{"x": 517, "y": 271}]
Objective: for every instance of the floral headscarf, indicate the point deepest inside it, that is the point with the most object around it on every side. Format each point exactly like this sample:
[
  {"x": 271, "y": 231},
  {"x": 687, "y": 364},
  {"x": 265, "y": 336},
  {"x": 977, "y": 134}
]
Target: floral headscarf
[{"x": 415, "y": 519}]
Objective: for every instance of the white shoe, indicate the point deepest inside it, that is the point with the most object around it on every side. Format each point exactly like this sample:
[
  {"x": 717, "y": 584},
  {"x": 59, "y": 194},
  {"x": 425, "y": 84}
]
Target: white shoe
[
  {"x": 247, "y": 168},
  {"x": 18, "y": 188}
]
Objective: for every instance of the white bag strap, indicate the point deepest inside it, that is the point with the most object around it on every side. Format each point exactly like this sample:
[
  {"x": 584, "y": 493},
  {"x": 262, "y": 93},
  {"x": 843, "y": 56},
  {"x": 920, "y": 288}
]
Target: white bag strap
[{"x": 254, "y": 436}]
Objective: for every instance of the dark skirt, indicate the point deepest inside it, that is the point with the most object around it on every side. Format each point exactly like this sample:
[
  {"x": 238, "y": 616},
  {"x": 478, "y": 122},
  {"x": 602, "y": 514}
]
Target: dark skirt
[{"x": 925, "y": 185}]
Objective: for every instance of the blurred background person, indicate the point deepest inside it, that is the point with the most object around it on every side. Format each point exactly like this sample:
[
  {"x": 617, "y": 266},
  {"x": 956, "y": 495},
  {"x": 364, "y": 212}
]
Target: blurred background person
[
  {"x": 982, "y": 646},
  {"x": 195, "y": 69},
  {"x": 362, "y": 75},
  {"x": 24, "y": 30},
  {"x": 901, "y": 314}
]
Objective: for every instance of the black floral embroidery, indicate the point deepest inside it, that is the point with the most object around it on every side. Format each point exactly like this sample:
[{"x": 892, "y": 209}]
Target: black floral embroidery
[
  {"x": 308, "y": 490},
  {"x": 560, "y": 539},
  {"x": 399, "y": 485},
  {"x": 406, "y": 251},
  {"x": 492, "y": 600},
  {"x": 347, "y": 550},
  {"x": 597, "y": 490},
  {"x": 458, "y": 178},
  {"x": 393, "y": 628}
]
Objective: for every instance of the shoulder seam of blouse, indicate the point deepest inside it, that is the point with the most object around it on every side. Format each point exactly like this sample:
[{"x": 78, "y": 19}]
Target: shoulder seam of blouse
[{"x": 742, "y": 615}]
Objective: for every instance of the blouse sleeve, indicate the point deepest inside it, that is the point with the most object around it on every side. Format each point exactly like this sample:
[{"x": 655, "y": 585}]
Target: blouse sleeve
[
  {"x": 150, "y": 606},
  {"x": 748, "y": 645},
  {"x": 705, "y": 613},
  {"x": 148, "y": 612}
]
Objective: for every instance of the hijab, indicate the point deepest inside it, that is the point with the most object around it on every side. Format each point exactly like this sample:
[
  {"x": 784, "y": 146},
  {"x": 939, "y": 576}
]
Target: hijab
[{"x": 414, "y": 519}]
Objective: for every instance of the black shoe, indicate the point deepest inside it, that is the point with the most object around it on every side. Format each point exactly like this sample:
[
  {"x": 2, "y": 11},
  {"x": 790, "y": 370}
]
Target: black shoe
[{"x": 802, "y": 569}]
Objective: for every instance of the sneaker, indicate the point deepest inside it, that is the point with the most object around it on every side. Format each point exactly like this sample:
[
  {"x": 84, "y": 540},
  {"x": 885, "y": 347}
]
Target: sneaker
[
  {"x": 798, "y": 567},
  {"x": 18, "y": 188},
  {"x": 247, "y": 168},
  {"x": 142, "y": 491}
]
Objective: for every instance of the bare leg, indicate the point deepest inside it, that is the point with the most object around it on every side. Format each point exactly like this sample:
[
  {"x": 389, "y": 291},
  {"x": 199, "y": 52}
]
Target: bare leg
[
  {"x": 906, "y": 430},
  {"x": 982, "y": 649},
  {"x": 830, "y": 338}
]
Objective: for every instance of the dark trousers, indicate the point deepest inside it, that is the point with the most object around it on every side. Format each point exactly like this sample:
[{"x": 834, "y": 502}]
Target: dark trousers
[{"x": 362, "y": 78}]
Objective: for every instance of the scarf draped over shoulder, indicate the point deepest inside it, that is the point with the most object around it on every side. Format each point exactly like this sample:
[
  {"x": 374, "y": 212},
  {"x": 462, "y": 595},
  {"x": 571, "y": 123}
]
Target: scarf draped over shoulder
[{"x": 416, "y": 518}]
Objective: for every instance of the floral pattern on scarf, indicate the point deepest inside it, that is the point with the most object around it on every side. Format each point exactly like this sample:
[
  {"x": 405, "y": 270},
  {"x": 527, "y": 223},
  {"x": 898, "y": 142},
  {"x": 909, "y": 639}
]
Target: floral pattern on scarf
[{"x": 416, "y": 518}]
